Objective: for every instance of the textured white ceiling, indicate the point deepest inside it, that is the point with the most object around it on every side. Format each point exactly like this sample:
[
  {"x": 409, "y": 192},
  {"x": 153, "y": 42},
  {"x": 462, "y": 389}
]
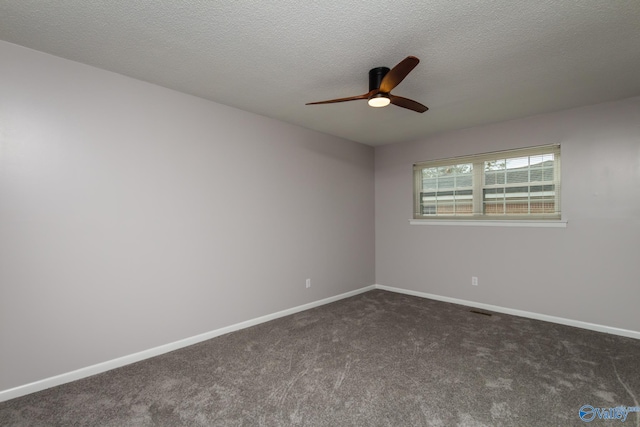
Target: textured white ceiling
[{"x": 482, "y": 61}]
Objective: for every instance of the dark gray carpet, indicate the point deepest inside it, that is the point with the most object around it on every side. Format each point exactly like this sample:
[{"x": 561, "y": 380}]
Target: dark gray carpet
[{"x": 376, "y": 359}]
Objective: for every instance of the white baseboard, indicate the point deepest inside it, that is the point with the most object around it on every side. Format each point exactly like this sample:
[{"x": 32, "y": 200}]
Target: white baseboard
[
  {"x": 156, "y": 351},
  {"x": 553, "y": 319}
]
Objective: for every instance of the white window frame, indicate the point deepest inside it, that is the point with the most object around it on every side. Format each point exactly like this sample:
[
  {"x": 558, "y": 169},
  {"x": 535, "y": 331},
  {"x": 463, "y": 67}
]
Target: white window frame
[{"x": 478, "y": 217}]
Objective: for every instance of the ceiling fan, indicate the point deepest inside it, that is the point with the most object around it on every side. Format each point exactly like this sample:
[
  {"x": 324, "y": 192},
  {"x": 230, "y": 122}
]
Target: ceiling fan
[{"x": 381, "y": 81}]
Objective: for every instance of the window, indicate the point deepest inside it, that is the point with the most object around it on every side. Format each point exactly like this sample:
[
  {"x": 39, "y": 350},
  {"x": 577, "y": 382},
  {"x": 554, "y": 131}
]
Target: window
[{"x": 515, "y": 184}]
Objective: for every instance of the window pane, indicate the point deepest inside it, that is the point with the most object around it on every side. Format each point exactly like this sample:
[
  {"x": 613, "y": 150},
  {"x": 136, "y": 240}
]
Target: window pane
[
  {"x": 464, "y": 180},
  {"x": 517, "y": 163},
  {"x": 495, "y": 165},
  {"x": 490, "y": 178},
  {"x": 517, "y": 176},
  {"x": 446, "y": 190},
  {"x": 429, "y": 183},
  {"x": 509, "y": 197},
  {"x": 445, "y": 182}
]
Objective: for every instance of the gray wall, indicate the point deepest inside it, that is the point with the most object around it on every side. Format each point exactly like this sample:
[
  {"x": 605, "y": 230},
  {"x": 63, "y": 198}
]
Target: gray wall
[
  {"x": 589, "y": 271},
  {"x": 133, "y": 216}
]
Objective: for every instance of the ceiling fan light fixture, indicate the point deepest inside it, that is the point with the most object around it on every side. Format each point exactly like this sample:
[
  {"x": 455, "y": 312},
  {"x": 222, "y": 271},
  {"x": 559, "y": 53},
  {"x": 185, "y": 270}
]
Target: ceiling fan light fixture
[
  {"x": 379, "y": 100},
  {"x": 382, "y": 80}
]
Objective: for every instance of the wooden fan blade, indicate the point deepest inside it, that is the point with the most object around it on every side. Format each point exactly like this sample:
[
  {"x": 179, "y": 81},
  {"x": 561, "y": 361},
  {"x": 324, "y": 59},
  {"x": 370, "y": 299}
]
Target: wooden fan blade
[
  {"x": 350, "y": 98},
  {"x": 398, "y": 73},
  {"x": 407, "y": 103}
]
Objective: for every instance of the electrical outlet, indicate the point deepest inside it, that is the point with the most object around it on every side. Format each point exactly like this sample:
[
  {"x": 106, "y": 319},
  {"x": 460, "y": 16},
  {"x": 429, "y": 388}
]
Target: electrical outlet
[
  {"x": 308, "y": 283},
  {"x": 474, "y": 281}
]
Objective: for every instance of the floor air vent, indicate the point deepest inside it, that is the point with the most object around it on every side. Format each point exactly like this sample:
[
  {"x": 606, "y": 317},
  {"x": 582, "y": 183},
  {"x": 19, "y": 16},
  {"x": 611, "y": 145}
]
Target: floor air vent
[{"x": 481, "y": 312}]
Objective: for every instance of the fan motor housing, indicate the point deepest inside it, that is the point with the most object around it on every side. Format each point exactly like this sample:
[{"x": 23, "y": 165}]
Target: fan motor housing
[{"x": 375, "y": 77}]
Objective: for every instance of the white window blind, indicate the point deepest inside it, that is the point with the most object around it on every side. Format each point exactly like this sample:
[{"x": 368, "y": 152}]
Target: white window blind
[{"x": 515, "y": 184}]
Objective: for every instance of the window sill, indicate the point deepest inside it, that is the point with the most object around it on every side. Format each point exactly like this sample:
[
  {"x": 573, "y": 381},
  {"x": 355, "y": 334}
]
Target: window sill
[{"x": 493, "y": 223}]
